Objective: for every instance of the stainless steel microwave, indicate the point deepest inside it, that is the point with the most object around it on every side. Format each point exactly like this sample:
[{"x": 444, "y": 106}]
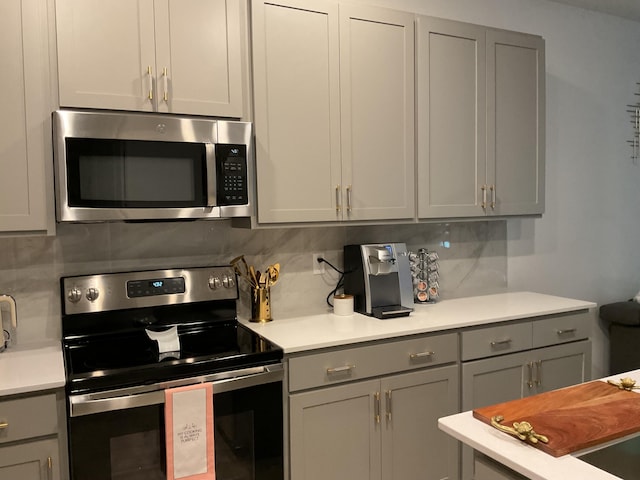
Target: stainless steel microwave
[{"x": 112, "y": 166}]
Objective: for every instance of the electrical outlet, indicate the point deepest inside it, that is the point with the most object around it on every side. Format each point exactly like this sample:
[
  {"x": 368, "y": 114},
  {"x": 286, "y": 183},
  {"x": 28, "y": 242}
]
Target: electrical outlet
[{"x": 318, "y": 267}]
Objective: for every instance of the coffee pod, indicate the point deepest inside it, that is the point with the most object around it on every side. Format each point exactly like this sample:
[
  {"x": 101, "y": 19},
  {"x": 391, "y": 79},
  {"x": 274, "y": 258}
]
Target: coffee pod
[{"x": 343, "y": 305}]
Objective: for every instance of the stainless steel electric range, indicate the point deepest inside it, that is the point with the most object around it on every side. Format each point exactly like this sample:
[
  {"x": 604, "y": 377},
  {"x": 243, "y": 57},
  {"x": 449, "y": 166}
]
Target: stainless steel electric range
[{"x": 129, "y": 336}]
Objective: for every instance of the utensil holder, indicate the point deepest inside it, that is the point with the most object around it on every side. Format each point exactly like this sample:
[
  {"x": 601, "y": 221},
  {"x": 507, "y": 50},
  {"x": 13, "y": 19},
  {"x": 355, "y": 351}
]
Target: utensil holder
[{"x": 261, "y": 304}]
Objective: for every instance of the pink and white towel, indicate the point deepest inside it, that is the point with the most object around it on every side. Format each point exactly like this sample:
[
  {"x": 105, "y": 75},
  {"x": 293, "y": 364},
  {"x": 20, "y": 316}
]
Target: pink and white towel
[{"x": 189, "y": 432}]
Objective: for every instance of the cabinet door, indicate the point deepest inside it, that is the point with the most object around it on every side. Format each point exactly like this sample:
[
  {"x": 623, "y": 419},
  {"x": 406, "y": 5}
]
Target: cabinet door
[
  {"x": 335, "y": 434},
  {"x": 106, "y": 54},
  {"x": 37, "y": 460},
  {"x": 489, "y": 381},
  {"x": 413, "y": 447},
  {"x": 377, "y": 106},
  {"x": 451, "y": 118},
  {"x": 25, "y": 136},
  {"x": 198, "y": 57},
  {"x": 562, "y": 365},
  {"x": 494, "y": 380},
  {"x": 515, "y": 123},
  {"x": 297, "y": 110}
]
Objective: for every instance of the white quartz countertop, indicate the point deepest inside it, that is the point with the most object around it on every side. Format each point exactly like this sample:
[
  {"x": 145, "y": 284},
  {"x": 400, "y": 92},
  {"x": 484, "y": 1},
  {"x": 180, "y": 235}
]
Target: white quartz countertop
[
  {"x": 31, "y": 368},
  {"x": 521, "y": 457},
  {"x": 327, "y": 330}
]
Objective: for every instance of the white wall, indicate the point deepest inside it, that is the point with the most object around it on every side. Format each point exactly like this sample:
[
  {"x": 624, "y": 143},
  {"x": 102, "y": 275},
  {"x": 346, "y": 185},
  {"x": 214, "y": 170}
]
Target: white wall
[{"x": 587, "y": 243}]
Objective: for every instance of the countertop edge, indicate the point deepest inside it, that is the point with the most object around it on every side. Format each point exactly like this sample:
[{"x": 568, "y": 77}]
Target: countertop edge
[
  {"x": 31, "y": 369},
  {"x": 293, "y": 334}
]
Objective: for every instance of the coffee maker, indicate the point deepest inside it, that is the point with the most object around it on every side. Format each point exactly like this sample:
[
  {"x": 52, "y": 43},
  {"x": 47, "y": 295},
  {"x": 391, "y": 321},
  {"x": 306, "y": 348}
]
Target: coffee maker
[{"x": 379, "y": 278}]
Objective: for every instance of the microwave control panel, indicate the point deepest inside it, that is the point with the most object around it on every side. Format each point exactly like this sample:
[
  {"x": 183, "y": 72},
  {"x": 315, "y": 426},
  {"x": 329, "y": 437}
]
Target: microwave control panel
[{"x": 231, "y": 174}]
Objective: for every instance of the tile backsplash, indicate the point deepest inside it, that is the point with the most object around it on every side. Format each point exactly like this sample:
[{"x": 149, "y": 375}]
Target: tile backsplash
[{"x": 473, "y": 260}]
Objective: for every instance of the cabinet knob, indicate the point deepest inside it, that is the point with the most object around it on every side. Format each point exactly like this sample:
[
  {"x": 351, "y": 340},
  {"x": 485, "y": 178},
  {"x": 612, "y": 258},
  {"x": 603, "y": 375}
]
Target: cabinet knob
[{"x": 3, "y": 425}]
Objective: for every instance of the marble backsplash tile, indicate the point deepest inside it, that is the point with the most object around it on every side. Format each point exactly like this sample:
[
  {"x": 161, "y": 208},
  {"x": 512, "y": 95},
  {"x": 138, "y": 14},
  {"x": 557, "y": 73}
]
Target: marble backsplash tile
[{"x": 473, "y": 260}]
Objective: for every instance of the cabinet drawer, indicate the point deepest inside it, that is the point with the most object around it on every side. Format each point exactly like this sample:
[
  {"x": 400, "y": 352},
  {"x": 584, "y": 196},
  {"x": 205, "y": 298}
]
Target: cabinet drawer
[
  {"x": 28, "y": 417},
  {"x": 496, "y": 340},
  {"x": 561, "y": 329},
  {"x": 348, "y": 364}
]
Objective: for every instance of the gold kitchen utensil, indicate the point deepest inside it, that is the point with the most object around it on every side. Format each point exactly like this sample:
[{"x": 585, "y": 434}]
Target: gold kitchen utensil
[
  {"x": 522, "y": 430},
  {"x": 254, "y": 277},
  {"x": 241, "y": 267},
  {"x": 273, "y": 274}
]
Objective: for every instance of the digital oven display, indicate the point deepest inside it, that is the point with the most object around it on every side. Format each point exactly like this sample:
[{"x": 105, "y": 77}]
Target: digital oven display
[{"x": 155, "y": 286}]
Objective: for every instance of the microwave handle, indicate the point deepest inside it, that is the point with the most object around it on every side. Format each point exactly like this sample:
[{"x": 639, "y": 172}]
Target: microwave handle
[{"x": 210, "y": 158}]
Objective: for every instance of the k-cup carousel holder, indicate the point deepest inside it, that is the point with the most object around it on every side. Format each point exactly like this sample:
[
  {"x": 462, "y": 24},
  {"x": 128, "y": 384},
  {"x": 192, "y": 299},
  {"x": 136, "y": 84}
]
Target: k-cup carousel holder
[{"x": 425, "y": 275}]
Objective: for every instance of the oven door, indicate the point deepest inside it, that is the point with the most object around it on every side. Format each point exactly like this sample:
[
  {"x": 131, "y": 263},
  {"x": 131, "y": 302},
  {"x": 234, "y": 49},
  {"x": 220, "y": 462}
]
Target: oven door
[{"x": 119, "y": 435}]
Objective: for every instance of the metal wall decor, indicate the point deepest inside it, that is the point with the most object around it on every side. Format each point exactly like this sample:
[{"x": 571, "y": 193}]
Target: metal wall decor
[{"x": 634, "y": 112}]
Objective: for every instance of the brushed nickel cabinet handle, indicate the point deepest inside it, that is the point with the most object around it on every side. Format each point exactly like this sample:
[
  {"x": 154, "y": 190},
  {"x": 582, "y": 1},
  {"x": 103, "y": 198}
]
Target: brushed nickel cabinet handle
[
  {"x": 566, "y": 331},
  {"x": 165, "y": 80},
  {"x": 338, "y": 204},
  {"x": 49, "y": 468},
  {"x": 539, "y": 372},
  {"x": 496, "y": 343},
  {"x": 530, "y": 381},
  {"x": 484, "y": 197},
  {"x": 349, "y": 188},
  {"x": 150, "y": 79},
  {"x": 416, "y": 356},
  {"x": 376, "y": 397},
  {"x": 493, "y": 196},
  {"x": 343, "y": 369},
  {"x": 388, "y": 394}
]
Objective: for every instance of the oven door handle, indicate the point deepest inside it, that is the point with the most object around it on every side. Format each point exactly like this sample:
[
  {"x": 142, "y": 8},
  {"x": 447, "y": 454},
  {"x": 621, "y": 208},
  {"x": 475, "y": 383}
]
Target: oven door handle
[{"x": 145, "y": 395}]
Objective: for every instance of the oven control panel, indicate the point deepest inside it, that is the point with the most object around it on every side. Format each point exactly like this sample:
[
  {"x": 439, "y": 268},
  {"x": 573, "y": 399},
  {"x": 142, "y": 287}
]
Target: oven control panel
[{"x": 118, "y": 291}]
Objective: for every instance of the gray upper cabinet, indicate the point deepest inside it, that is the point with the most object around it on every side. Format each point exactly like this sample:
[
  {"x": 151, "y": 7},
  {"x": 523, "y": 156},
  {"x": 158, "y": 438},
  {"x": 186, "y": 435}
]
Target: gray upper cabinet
[
  {"x": 297, "y": 110},
  {"x": 377, "y": 93},
  {"x": 332, "y": 144},
  {"x": 176, "y": 56},
  {"x": 451, "y": 118},
  {"x": 26, "y": 196},
  {"x": 481, "y": 110},
  {"x": 515, "y": 123}
]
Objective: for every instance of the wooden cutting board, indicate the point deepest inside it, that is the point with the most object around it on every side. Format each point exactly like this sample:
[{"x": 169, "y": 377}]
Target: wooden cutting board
[{"x": 572, "y": 418}]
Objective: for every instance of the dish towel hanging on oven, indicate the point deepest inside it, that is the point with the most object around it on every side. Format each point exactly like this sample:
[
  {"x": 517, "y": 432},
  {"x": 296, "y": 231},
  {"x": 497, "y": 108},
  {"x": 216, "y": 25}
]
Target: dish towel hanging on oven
[{"x": 189, "y": 432}]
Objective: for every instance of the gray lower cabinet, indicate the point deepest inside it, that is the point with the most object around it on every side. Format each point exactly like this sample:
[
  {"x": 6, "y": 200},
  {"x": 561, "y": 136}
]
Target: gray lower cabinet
[
  {"x": 486, "y": 468},
  {"x": 333, "y": 433},
  {"x": 515, "y": 360},
  {"x": 34, "y": 460},
  {"x": 373, "y": 423},
  {"x": 376, "y": 429},
  {"x": 30, "y": 437}
]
